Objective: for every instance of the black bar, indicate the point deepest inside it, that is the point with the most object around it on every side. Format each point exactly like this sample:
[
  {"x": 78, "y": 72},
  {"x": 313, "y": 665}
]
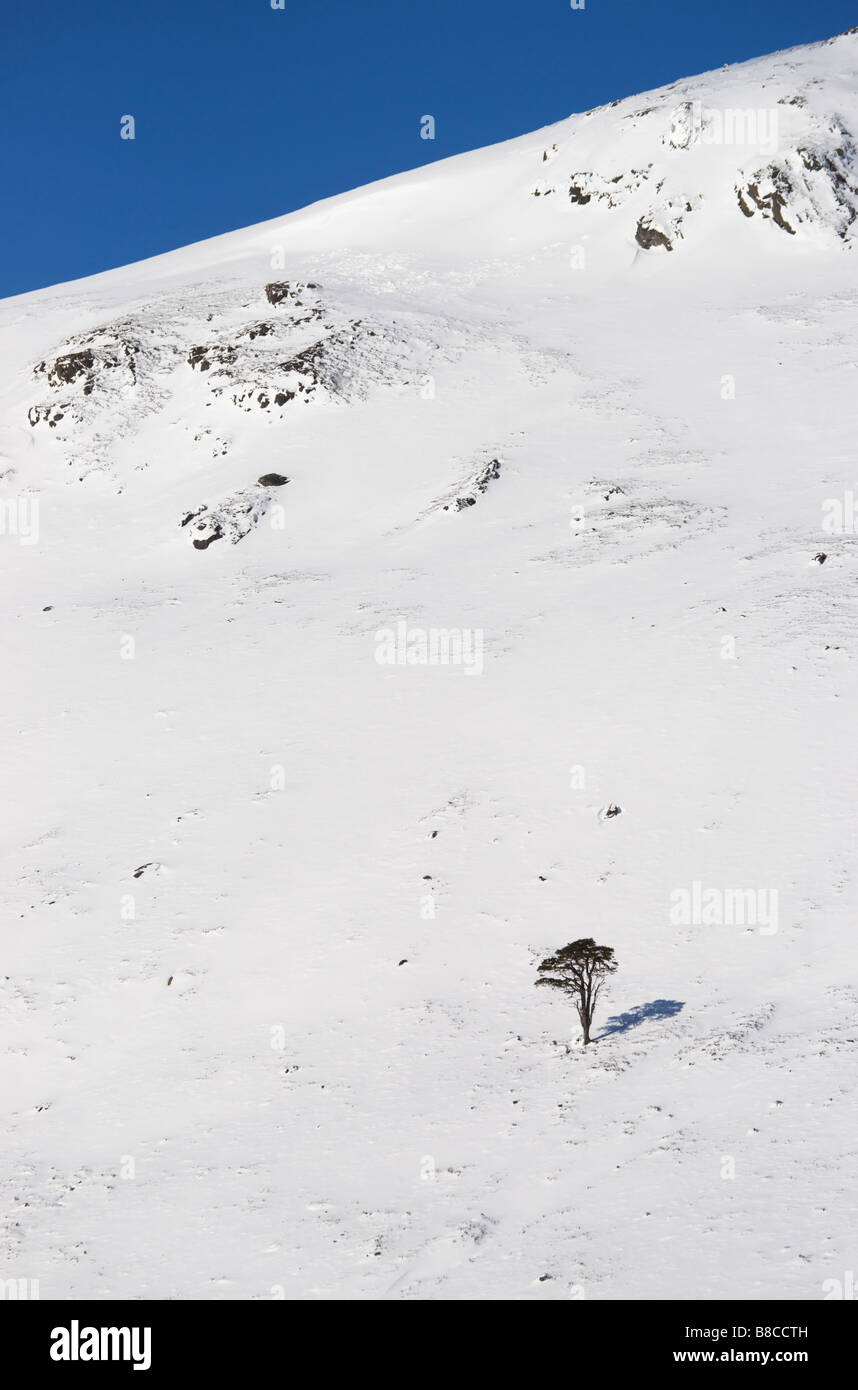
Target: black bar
[{"x": 217, "y": 1339}]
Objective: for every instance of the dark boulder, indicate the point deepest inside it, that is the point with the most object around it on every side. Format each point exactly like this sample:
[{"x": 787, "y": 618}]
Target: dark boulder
[
  {"x": 204, "y": 542},
  {"x": 74, "y": 364},
  {"x": 648, "y": 237}
]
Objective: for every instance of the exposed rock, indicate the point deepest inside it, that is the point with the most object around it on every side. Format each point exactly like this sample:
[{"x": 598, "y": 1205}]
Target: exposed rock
[
  {"x": 280, "y": 290},
  {"x": 223, "y": 355},
  {"x": 203, "y": 543},
  {"x": 232, "y": 519},
  {"x": 479, "y": 486},
  {"x": 51, "y": 414},
  {"x": 648, "y": 236},
  {"x": 685, "y": 127},
  {"x": 771, "y": 204},
  {"x": 272, "y": 480},
  {"x": 613, "y": 190},
  {"x": 70, "y": 366},
  {"x": 101, "y": 364},
  {"x": 114, "y": 376},
  {"x": 814, "y": 184}
]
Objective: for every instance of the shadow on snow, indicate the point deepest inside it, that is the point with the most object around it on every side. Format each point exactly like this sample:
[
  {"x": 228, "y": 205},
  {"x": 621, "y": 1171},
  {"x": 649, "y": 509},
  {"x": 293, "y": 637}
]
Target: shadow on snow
[{"x": 641, "y": 1013}]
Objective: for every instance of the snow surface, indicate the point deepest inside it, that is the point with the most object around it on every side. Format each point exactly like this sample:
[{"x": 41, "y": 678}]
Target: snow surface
[{"x": 430, "y": 1127}]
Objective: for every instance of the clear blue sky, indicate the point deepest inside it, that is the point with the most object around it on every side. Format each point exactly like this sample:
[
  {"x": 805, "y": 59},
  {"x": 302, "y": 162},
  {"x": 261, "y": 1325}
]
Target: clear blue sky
[{"x": 244, "y": 112}]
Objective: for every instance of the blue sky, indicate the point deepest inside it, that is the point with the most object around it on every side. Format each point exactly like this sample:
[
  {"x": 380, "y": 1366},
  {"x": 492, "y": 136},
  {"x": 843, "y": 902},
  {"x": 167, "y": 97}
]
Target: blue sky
[{"x": 243, "y": 112}]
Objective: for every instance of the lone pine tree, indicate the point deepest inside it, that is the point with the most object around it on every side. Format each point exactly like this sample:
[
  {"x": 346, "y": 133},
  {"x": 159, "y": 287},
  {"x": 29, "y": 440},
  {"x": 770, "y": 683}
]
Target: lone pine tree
[{"x": 580, "y": 969}]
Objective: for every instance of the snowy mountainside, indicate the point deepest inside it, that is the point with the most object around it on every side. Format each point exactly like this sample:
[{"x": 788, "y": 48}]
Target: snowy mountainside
[{"x": 576, "y": 412}]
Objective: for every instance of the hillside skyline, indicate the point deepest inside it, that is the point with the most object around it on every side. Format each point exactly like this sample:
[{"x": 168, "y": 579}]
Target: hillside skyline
[{"x": 243, "y": 113}]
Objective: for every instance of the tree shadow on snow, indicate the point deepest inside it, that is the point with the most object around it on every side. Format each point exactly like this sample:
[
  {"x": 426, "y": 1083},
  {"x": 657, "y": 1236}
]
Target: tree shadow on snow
[{"x": 657, "y": 1008}]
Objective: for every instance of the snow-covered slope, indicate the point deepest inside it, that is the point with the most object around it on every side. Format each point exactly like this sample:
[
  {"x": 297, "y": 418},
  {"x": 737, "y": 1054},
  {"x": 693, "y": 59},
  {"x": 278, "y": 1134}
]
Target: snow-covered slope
[{"x": 273, "y": 906}]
